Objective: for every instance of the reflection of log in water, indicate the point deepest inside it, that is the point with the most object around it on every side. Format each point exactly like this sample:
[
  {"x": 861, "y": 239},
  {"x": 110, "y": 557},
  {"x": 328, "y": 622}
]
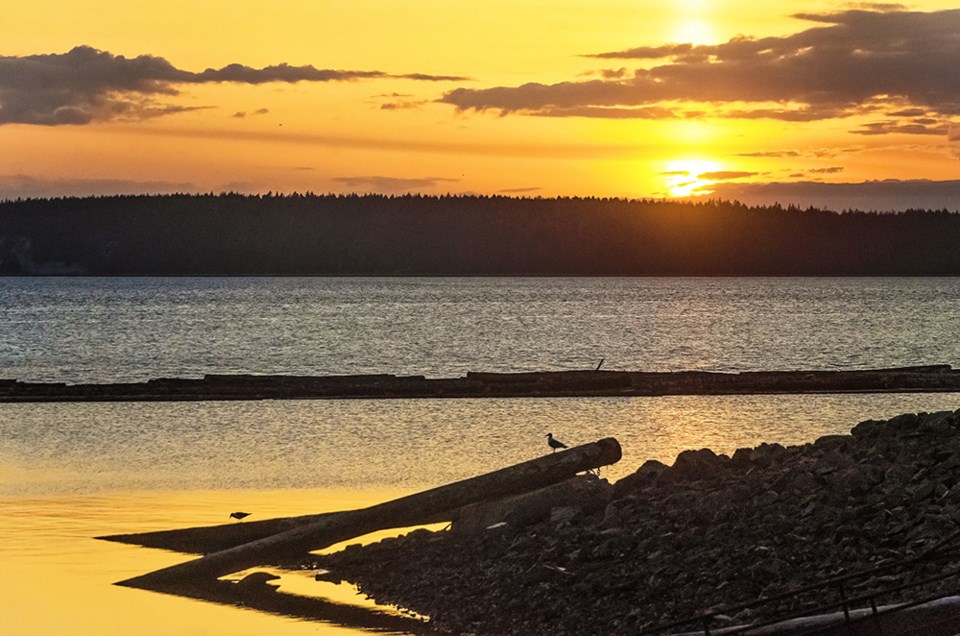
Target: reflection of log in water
[
  {"x": 424, "y": 507},
  {"x": 255, "y": 593}
]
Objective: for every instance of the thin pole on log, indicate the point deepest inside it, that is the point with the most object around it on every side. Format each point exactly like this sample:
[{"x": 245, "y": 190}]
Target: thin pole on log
[{"x": 406, "y": 511}]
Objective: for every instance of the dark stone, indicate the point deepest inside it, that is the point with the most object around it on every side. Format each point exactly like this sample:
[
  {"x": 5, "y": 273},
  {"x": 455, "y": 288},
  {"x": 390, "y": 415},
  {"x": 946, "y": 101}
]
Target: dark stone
[
  {"x": 709, "y": 532},
  {"x": 698, "y": 465},
  {"x": 582, "y": 494},
  {"x": 648, "y": 473}
]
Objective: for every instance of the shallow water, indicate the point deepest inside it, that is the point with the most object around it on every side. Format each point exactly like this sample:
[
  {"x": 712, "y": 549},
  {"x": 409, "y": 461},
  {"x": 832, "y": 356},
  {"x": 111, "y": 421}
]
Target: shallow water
[
  {"x": 87, "y": 448},
  {"x": 60, "y": 579},
  {"x": 72, "y": 472}
]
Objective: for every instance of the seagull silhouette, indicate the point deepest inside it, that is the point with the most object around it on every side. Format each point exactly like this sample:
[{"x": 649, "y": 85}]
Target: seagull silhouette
[
  {"x": 239, "y": 515},
  {"x": 554, "y": 443}
]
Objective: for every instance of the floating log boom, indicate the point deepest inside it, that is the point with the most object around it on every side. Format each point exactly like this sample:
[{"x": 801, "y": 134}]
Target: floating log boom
[
  {"x": 594, "y": 382},
  {"x": 407, "y": 511}
]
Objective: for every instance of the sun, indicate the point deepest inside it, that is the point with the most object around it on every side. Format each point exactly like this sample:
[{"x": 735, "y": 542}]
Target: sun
[
  {"x": 694, "y": 23},
  {"x": 694, "y": 31},
  {"x": 684, "y": 177}
]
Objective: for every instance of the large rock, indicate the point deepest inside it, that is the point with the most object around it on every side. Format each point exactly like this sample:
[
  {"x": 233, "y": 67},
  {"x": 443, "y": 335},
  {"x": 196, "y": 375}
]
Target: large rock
[
  {"x": 583, "y": 494},
  {"x": 698, "y": 465}
]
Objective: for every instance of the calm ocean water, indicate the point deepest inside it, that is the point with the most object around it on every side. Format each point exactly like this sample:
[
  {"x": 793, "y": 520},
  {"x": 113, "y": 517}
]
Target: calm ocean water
[
  {"x": 106, "y": 329},
  {"x": 69, "y": 472},
  {"x": 97, "y": 330}
]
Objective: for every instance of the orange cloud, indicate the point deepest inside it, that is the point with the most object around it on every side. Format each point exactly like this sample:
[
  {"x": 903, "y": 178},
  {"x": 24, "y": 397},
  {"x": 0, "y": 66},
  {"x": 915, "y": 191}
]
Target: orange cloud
[{"x": 854, "y": 62}]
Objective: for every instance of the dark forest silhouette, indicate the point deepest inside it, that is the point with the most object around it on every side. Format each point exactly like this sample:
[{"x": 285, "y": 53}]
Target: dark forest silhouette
[{"x": 234, "y": 234}]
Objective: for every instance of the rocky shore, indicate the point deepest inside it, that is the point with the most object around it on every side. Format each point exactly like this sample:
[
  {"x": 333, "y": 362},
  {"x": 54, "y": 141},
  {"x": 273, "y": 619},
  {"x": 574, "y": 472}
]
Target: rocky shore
[
  {"x": 707, "y": 534},
  {"x": 491, "y": 385}
]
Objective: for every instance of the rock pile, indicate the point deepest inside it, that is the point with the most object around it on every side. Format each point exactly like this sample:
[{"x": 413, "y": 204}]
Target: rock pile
[{"x": 711, "y": 531}]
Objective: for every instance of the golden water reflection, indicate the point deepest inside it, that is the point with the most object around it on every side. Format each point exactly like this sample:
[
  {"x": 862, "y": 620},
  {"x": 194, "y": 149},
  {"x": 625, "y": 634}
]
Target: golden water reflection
[
  {"x": 72, "y": 472},
  {"x": 60, "y": 579}
]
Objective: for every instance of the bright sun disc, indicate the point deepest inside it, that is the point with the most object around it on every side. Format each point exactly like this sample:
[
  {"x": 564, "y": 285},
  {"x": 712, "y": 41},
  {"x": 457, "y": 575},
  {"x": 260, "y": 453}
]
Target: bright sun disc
[{"x": 682, "y": 176}]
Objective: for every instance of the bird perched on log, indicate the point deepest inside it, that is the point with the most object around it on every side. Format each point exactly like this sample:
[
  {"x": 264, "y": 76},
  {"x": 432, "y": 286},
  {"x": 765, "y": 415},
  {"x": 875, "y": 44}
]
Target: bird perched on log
[
  {"x": 554, "y": 443},
  {"x": 239, "y": 515}
]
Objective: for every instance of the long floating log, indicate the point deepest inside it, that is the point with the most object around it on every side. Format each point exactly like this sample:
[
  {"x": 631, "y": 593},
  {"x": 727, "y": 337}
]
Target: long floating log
[
  {"x": 929, "y": 378},
  {"x": 406, "y": 511},
  {"x": 207, "y": 539}
]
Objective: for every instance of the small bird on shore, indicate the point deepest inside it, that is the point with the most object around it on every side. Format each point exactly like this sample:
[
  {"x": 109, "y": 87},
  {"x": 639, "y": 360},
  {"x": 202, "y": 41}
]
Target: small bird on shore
[
  {"x": 554, "y": 443},
  {"x": 239, "y": 515}
]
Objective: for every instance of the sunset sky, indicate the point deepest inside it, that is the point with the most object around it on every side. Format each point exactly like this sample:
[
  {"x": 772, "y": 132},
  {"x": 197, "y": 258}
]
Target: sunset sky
[{"x": 806, "y": 102}]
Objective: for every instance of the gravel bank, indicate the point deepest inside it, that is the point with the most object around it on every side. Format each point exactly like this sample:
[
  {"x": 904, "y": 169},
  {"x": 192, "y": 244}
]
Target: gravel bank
[{"x": 708, "y": 532}]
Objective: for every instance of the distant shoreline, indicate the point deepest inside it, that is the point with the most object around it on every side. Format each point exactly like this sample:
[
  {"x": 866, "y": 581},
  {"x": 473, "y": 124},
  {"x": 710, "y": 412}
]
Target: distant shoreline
[
  {"x": 414, "y": 235},
  {"x": 544, "y": 384}
]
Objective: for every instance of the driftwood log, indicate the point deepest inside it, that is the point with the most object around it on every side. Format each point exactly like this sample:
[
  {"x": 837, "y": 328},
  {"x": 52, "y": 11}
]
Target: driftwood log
[
  {"x": 207, "y": 539},
  {"x": 428, "y": 506}
]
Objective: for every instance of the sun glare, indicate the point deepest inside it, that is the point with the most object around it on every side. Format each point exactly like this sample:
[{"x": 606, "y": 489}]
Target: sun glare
[
  {"x": 682, "y": 177},
  {"x": 693, "y": 23},
  {"x": 694, "y": 31}
]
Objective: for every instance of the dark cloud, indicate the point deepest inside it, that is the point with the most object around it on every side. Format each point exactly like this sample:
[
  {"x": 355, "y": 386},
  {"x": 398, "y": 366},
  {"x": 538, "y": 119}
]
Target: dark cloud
[
  {"x": 877, "y": 6},
  {"x": 647, "y": 52},
  {"x": 853, "y": 62},
  {"x": 242, "y": 114},
  {"x": 614, "y": 73},
  {"x": 86, "y": 85},
  {"x": 404, "y": 105},
  {"x": 433, "y": 78},
  {"x": 909, "y": 112},
  {"x": 829, "y": 170},
  {"x": 921, "y": 126},
  {"x": 886, "y": 195},
  {"x": 725, "y": 175},
  {"x": 770, "y": 154},
  {"x": 391, "y": 184},
  {"x": 27, "y": 187},
  {"x": 241, "y": 74},
  {"x": 519, "y": 190}
]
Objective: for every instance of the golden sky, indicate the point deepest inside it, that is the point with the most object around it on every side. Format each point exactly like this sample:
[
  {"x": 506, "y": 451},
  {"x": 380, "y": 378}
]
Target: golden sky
[{"x": 854, "y": 105}]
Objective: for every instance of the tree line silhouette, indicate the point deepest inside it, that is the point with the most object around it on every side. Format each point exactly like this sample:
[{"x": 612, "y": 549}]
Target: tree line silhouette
[{"x": 415, "y": 235}]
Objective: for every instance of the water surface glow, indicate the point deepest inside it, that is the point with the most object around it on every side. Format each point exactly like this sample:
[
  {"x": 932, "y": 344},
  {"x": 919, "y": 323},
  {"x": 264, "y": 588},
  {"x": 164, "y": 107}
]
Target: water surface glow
[
  {"x": 126, "y": 329},
  {"x": 70, "y": 472},
  {"x": 106, "y": 447}
]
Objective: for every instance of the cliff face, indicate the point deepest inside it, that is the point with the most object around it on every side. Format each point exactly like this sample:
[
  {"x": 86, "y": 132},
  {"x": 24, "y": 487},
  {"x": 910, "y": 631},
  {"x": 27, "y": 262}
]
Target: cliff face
[{"x": 709, "y": 532}]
